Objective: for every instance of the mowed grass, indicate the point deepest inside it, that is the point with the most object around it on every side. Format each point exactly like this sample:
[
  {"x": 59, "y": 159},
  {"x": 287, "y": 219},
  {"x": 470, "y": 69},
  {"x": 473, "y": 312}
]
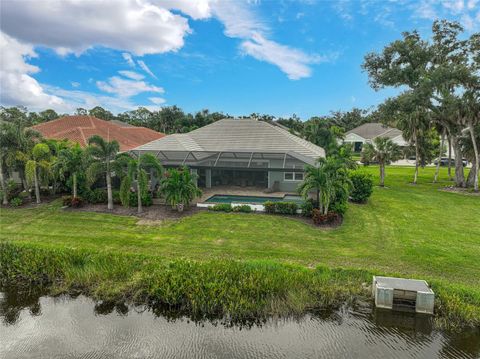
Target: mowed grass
[{"x": 405, "y": 230}]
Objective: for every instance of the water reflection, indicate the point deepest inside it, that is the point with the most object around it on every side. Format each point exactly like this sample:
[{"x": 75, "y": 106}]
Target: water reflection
[{"x": 33, "y": 325}]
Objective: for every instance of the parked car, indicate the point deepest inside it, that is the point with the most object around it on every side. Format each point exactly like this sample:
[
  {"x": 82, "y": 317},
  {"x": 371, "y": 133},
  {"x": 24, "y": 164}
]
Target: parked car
[{"x": 444, "y": 162}]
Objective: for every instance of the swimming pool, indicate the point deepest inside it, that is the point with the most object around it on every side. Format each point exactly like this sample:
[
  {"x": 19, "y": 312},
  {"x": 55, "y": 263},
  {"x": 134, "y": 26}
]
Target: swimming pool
[{"x": 221, "y": 198}]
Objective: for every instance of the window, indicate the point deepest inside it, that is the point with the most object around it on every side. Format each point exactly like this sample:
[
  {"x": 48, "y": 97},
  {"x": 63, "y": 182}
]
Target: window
[{"x": 293, "y": 176}]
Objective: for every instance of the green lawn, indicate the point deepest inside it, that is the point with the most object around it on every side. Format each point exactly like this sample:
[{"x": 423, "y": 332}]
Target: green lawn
[{"x": 405, "y": 230}]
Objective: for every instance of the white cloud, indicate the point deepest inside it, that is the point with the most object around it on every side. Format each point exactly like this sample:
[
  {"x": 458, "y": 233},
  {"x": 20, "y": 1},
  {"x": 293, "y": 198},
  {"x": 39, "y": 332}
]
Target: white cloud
[
  {"x": 135, "y": 27},
  {"x": 157, "y": 100},
  {"x": 75, "y": 84},
  {"x": 145, "y": 68},
  {"x": 293, "y": 62},
  {"x": 17, "y": 85},
  {"x": 67, "y": 26},
  {"x": 128, "y": 57},
  {"x": 131, "y": 75},
  {"x": 125, "y": 88},
  {"x": 242, "y": 23}
]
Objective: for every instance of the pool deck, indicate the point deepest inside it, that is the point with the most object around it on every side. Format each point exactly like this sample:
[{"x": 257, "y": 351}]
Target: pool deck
[{"x": 239, "y": 191}]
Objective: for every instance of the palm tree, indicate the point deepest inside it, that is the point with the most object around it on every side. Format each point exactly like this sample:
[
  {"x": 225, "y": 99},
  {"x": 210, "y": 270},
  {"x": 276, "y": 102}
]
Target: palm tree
[
  {"x": 137, "y": 171},
  {"x": 384, "y": 151},
  {"x": 71, "y": 161},
  {"x": 102, "y": 154},
  {"x": 19, "y": 144},
  {"x": 37, "y": 166},
  {"x": 179, "y": 187},
  {"x": 327, "y": 179}
]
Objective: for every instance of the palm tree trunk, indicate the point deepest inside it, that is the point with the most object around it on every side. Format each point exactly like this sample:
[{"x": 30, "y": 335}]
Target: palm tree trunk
[
  {"x": 318, "y": 198},
  {"x": 139, "y": 191},
  {"x": 139, "y": 197},
  {"x": 416, "y": 156},
  {"x": 382, "y": 174},
  {"x": 4, "y": 186},
  {"x": 37, "y": 187},
  {"x": 109, "y": 190},
  {"x": 449, "y": 158},
  {"x": 475, "y": 150},
  {"x": 459, "y": 175},
  {"x": 437, "y": 170},
  {"x": 74, "y": 185}
]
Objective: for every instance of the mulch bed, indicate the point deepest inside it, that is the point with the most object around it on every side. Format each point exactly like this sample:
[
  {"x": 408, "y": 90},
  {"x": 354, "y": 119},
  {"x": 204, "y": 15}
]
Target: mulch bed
[
  {"x": 464, "y": 191},
  {"x": 153, "y": 213}
]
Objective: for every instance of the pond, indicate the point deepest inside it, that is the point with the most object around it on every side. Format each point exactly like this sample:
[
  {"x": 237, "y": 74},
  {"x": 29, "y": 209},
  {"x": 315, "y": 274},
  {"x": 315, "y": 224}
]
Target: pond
[{"x": 35, "y": 326}]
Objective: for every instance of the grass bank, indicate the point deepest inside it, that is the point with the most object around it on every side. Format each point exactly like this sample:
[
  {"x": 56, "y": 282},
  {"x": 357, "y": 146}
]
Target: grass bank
[
  {"x": 239, "y": 290},
  {"x": 404, "y": 230}
]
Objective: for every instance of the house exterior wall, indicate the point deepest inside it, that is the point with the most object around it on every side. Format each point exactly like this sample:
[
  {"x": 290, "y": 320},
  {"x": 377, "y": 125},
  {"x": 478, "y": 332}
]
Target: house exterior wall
[{"x": 284, "y": 186}]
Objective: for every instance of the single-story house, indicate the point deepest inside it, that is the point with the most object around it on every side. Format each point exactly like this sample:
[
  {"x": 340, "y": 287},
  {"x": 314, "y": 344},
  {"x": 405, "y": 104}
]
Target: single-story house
[
  {"x": 81, "y": 128},
  {"x": 367, "y": 132},
  {"x": 238, "y": 152}
]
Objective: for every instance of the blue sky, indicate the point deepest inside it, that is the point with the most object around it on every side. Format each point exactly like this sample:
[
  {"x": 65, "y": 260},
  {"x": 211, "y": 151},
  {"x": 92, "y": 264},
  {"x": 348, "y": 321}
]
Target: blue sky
[{"x": 275, "y": 57}]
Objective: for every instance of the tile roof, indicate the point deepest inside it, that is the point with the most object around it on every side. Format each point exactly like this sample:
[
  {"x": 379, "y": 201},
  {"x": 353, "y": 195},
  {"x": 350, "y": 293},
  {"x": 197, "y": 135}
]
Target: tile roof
[
  {"x": 242, "y": 135},
  {"x": 81, "y": 128},
  {"x": 371, "y": 130}
]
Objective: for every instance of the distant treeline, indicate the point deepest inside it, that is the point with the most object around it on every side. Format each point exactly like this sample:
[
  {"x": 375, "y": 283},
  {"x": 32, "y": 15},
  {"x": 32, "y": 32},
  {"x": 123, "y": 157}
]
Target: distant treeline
[{"x": 172, "y": 119}]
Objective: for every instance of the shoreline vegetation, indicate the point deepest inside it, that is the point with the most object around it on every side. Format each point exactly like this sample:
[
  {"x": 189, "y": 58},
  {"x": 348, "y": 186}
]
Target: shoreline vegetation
[
  {"x": 231, "y": 290},
  {"x": 243, "y": 266}
]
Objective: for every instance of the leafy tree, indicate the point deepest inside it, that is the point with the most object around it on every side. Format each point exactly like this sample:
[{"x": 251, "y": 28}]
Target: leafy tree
[
  {"x": 322, "y": 133},
  {"x": 101, "y": 113},
  {"x": 71, "y": 161},
  {"x": 138, "y": 170},
  {"x": 382, "y": 150},
  {"x": 47, "y": 115},
  {"x": 179, "y": 187},
  {"x": 80, "y": 111},
  {"x": 102, "y": 153}
]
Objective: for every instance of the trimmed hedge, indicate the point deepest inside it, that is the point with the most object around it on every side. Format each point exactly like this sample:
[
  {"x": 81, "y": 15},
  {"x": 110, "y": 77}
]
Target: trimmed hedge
[
  {"x": 245, "y": 208},
  {"x": 280, "y": 207},
  {"x": 221, "y": 207}
]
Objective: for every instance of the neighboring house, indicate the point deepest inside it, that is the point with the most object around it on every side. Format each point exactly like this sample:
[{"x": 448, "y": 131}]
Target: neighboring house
[
  {"x": 241, "y": 152},
  {"x": 81, "y": 128},
  {"x": 368, "y": 131}
]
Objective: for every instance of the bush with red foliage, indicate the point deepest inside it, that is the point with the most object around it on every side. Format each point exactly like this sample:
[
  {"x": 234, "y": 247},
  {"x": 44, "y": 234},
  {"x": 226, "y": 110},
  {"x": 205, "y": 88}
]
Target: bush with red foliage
[{"x": 325, "y": 219}]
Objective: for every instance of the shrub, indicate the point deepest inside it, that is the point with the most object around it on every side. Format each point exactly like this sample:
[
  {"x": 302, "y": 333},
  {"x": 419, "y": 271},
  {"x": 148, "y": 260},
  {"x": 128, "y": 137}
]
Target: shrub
[
  {"x": 67, "y": 201},
  {"x": 116, "y": 197},
  {"x": 362, "y": 187},
  {"x": 339, "y": 203},
  {"x": 133, "y": 200},
  {"x": 245, "y": 208},
  {"x": 16, "y": 201},
  {"x": 307, "y": 207},
  {"x": 13, "y": 189},
  {"x": 322, "y": 219},
  {"x": 24, "y": 196},
  {"x": 269, "y": 207},
  {"x": 95, "y": 196},
  {"x": 71, "y": 201},
  {"x": 221, "y": 207},
  {"x": 76, "y": 202},
  {"x": 280, "y": 207},
  {"x": 286, "y": 207}
]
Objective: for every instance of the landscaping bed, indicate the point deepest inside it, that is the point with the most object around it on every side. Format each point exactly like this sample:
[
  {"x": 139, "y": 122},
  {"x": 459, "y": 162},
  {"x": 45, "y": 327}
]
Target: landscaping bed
[{"x": 154, "y": 212}]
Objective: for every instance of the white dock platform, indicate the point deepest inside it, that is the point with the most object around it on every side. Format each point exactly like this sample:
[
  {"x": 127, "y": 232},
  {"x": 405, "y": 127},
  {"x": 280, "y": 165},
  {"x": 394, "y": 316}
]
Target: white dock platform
[{"x": 401, "y": 293}]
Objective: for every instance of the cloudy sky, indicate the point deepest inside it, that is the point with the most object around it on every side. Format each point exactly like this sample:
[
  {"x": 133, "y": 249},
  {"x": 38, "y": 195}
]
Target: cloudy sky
[{"x": 276, "y": 57}]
